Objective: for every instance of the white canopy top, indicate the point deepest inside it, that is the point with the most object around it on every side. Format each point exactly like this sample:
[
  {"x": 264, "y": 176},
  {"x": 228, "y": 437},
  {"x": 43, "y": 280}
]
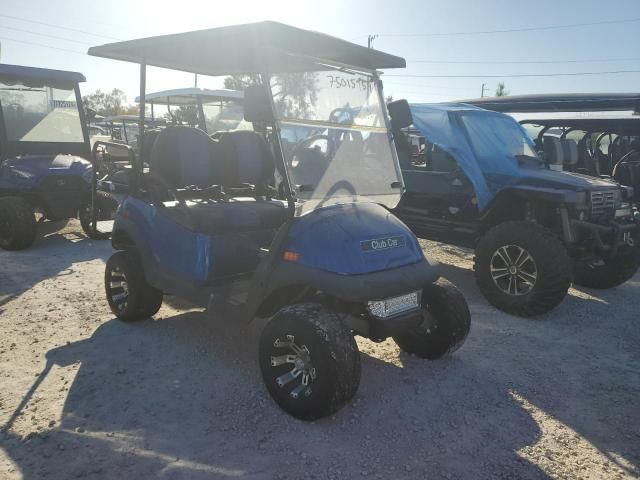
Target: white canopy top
[{"x": 191, "y": 96}]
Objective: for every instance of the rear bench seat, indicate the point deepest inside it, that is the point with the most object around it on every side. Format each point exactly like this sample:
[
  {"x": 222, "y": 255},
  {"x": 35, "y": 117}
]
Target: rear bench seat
[{"x": 239, "y": 226}]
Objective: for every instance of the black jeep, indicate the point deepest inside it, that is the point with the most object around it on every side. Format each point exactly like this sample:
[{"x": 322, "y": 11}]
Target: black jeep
[{"x": 473, "y": 179}]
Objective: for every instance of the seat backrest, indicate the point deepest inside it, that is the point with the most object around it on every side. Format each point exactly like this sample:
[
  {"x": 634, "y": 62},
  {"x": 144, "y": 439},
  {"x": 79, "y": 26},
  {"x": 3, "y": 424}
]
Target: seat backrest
[
  {"x": 554, "y": 156},
  {"x": 245, "y": 158},
  {"x": 569, "y": 151},
  {"x": 150, "y": 136},
  {"x": 441, "y": 161},
  {"x": 184, "y": 156}
]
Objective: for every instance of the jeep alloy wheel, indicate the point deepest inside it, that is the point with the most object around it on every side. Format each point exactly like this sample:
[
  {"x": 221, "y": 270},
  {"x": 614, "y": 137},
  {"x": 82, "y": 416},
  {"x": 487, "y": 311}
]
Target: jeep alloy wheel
[{"x": 513, "y": 270}]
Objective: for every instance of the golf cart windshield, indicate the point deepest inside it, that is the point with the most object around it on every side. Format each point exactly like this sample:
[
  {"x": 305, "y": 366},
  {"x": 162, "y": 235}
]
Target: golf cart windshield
[
  {"x": 335, "y": 141},
  {"x": 492, "y": 135},
  {"x": 40, "y": 114}
]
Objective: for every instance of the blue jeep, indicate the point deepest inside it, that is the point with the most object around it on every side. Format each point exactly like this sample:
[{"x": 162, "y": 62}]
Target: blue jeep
[
  {"x": 473, "y": 178},
  {"x": 288, "y": 221},
  {"x": 43, "y": 151}
]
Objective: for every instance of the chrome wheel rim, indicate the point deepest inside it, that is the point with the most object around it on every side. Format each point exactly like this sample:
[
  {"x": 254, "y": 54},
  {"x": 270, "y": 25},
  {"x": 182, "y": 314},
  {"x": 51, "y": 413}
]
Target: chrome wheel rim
[
  {"x": 513, "y": 270},
  {"x": 299, "y": 379},
  {"x": 118, "y": 289}
]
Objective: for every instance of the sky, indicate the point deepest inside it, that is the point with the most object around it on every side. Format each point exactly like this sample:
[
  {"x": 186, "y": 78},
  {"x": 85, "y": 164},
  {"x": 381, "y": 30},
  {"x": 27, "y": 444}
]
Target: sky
[{"x": 437, "y": 37}]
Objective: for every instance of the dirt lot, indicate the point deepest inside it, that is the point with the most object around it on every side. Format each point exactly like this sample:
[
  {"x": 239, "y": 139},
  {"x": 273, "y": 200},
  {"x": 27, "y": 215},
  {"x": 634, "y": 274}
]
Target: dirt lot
[{"x": 85, "y": 396}]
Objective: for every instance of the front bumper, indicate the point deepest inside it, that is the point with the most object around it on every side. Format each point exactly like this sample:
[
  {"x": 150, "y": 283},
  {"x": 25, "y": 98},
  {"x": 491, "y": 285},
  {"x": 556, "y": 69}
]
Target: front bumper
[{"x": 606, "y": 239}]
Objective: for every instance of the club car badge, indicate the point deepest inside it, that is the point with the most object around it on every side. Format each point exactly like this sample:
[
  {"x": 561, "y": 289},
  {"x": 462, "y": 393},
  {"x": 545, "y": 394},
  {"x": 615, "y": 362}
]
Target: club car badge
[{"x": 382, "y": 243}]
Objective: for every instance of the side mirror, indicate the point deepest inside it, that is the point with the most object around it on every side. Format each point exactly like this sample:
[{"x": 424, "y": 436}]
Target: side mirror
[
  {"x": 257, "y": 104},
  {"x": 400, "y": 114}
]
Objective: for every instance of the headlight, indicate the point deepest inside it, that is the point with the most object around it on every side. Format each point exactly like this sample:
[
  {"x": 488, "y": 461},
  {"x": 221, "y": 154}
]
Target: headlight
[
  {"x": 394, "y": 306},
  {"x": 623, "y": 210}
]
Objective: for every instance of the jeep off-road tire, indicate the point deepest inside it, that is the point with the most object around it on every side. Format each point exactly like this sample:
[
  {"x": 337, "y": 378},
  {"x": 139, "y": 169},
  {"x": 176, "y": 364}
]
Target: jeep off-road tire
[
  {"x": 446, "y": 323},
  {"x": 309, "y": 360},
  {"x": 129, "y": 295},
  {"x": 106, "y": 207},
  {"x": 614, "y": 272},
  {"x": 544, "y": 262},
  {"x": 17, "y": 223}
]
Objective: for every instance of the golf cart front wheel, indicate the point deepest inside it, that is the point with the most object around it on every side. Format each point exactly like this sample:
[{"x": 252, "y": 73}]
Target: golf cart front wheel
[
  {"x": 129, "y": 295},
  {"x": 17, "y": 223},
  {"x": 522, "y": 268},
  {"x": 106, "y": 207},
  {"x": 309, "y": 361},
  {"x": 445, "y": 326}
]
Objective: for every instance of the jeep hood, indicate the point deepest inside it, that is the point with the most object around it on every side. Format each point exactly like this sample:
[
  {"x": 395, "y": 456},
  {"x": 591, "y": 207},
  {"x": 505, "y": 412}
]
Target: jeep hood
[{"x": 543, "y": 178}]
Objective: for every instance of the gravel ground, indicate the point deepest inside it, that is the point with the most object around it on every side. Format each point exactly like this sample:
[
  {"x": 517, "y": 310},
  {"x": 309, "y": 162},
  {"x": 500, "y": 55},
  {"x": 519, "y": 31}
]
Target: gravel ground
[{"x": 83, "y": 395}]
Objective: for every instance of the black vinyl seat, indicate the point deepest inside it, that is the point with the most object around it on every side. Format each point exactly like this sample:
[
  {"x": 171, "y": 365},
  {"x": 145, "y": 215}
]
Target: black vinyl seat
[
  {"x": 187, "y": 160},
  {"x": 182, "y": 157}
]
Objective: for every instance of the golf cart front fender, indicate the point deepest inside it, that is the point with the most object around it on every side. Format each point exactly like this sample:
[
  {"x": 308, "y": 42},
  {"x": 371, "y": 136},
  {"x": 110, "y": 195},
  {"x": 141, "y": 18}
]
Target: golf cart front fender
[{"x": 356, "y": 288}]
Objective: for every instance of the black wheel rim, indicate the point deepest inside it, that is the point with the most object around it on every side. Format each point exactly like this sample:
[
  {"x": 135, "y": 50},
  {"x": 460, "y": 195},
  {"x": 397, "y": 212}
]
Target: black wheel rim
[
  {"x": 293, "y": 371},
  {"x": 118, "y": 289},
  {"x": 513, "y": 270}
]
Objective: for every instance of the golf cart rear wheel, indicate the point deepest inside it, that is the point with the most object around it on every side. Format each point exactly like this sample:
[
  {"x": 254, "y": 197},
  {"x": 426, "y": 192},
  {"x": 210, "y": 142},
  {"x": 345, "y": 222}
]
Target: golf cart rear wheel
[
  {"x": 17, "y": 223},
  {"x": 612, "y": 273},
  {"x": 309, "y": 360},
  {"x": 522, "y": 268},
  {"x": 106, "y": 207},
  {"x": 129, "y": 295},
  {"x": 446, "y": 323}
]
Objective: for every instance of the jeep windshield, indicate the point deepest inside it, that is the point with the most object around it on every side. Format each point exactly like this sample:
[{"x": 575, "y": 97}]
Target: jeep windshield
[
  {"x": 494, "y": 135},
  {"x": 40, "y": 114},
  {"x": 335, "y": 141}
]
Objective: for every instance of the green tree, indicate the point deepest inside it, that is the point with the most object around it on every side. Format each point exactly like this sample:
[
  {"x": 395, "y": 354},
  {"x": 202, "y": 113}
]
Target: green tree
[
  {"x": 501, "y": 91},
  {"x": 106, "y": 104},
  {"x": 293, "y": 93}
]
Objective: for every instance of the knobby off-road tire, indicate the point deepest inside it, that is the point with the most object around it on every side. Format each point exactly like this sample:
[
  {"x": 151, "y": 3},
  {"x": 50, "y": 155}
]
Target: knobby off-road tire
[
  {"x": 614, "y": 272},
  {"x": 106, "y": 206},
  {"x": 538, "y": 256},
  {"x": 446, "y": 323},
  {"x": 309, "y": 360},
  {"x": 129, "y": 295},
  {"x": 17, "y": 223}
]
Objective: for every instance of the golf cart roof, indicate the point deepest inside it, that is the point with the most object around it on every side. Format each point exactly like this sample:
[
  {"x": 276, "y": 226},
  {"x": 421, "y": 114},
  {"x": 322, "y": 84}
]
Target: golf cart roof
[
  {"x": 578, "y": 102},
  {"x": 190, "y": 96},
  {"x": 252, "y": 48},
  {"x": 19, "y": 72},
  {"x": 620, "y": 125}
]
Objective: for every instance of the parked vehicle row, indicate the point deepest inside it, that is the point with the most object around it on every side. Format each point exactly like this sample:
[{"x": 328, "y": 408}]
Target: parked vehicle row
[{"x": 286, "y": 202}]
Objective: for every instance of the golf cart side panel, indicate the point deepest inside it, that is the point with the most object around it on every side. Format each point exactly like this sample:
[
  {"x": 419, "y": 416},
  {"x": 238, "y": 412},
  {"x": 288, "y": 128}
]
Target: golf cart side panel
[
  {"x": 139, "y": 222},
  {"x": 352, "y": 239}
]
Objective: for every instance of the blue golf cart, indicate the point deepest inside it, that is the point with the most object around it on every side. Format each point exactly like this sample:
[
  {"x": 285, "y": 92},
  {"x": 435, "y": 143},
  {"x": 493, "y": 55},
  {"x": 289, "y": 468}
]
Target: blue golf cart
[
  {"x": 289, "y": 221},
  {"x": 44, "y": 147}
]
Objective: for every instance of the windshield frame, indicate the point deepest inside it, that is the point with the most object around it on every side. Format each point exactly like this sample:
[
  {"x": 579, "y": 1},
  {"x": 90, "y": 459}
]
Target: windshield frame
[
  {"x": 20, "y": 147},
  {"x": 384, "y": 128}
]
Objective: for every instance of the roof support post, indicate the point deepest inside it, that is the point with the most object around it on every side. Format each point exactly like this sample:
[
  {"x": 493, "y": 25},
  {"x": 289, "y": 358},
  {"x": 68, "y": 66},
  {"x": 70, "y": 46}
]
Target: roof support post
[{"x": 142, "y": 103}]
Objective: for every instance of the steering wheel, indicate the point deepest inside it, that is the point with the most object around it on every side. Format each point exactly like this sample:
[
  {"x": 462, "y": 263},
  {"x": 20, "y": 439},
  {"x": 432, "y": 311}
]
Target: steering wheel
[{"x": 310, "y": 140}]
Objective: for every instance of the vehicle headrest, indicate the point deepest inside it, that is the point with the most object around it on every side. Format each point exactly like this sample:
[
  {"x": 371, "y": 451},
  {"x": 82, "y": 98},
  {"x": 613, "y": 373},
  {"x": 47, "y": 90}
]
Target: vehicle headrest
[
  {"x": 183, "y": 156},
  {"x": 246, "y": 158},
  {"x": 570, "y": 151},
  {"x": 552, "y": 150}
]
